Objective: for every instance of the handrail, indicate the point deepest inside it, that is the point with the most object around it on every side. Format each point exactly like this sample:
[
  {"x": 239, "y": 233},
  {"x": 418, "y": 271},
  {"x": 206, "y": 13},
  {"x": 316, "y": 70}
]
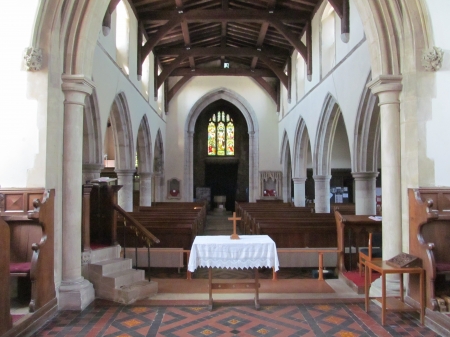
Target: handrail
[{"x": 148, "y": 237}]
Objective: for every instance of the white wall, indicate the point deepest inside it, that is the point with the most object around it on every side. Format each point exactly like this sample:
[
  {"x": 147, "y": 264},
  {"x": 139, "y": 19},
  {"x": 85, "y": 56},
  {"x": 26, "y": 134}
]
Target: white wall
[
  {"x": 438, "y": 121},
  {"x": 23, "y": 122}
]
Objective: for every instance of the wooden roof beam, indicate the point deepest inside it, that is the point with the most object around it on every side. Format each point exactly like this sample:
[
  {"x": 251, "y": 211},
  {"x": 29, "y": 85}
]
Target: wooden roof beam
[{"x": 342, "y": 8}]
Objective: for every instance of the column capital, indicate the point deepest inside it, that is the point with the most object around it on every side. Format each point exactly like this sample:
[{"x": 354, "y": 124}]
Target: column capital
[
  {"x": 299, "y": 180},
  {"x": 76, "y": 88},
  {"x": 364, "y": 175},
  {"x": 387, "y": 88},
  {"x": 125, "y": 172},
  {"x": 322, "y": 177}
]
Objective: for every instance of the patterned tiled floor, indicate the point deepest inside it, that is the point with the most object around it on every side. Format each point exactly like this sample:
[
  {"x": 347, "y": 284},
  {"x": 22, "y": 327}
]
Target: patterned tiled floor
[{"x": 104, "y": 318}]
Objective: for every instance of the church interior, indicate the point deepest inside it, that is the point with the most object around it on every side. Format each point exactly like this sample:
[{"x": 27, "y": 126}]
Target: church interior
[{"x": 132, "y": 129}]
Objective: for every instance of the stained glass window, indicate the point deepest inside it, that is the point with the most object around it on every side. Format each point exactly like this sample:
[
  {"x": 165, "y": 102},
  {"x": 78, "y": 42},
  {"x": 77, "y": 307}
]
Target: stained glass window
[{"x": 220, "y": 135}]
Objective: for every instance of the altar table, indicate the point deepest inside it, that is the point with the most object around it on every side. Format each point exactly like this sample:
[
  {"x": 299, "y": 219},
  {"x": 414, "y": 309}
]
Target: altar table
[{"x": 250, "y": 251}]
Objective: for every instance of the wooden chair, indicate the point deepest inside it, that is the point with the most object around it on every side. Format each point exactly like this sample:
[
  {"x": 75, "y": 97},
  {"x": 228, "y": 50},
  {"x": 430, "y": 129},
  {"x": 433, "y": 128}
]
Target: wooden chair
[{"x": 372, "y": 252}]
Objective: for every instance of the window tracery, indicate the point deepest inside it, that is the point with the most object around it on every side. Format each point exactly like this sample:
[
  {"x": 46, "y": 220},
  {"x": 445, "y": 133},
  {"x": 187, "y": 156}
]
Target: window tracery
[{"x": 221, "y": 135}]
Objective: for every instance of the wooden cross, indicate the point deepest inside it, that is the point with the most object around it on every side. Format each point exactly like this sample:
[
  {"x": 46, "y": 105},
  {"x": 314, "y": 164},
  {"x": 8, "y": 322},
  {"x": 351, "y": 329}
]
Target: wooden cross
[{"x": 234, "y": 236}]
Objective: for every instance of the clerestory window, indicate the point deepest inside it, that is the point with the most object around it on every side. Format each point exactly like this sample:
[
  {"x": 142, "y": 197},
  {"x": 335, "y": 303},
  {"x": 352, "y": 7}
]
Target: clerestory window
[{"x": 220, "y": 135}]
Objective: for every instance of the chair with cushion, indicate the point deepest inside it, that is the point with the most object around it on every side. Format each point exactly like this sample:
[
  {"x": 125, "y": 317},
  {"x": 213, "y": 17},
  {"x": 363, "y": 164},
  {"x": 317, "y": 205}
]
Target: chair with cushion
[{"x": 372, "y": 252}]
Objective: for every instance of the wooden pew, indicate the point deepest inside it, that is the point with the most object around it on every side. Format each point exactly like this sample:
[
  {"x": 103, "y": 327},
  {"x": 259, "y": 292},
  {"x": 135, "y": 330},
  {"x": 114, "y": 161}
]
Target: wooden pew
[
  {"x": 429, "y": 239},
  {"x": 43, "y": 302},
  {"x": 5, "y": 315}
]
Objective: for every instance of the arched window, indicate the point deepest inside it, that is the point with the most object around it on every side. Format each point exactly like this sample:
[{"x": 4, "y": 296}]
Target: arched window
[
  {"x": 122, "y": 36},
  {"x": 328, "y": 36},
  {"x": 220, "y": 135}
]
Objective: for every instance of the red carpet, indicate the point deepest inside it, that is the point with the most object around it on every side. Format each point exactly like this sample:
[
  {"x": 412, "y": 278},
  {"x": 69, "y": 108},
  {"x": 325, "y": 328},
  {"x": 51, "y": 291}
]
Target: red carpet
[{"x": 354, "y": 277}]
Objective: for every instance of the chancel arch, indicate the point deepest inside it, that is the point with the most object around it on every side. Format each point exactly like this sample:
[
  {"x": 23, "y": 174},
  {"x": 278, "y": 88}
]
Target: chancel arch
[
  {"x": 286, "y": 164},
  {"x": 366, "y": 152},
  {"x": 302, "y": 153},
  {"x": 241, "y": 104},
  {"x": 92, "y": 143},
  {"x": 144, "y": 155}
]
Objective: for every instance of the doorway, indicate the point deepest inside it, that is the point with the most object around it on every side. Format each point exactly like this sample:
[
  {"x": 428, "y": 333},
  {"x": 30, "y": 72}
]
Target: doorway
[{"x": 222, "y": 179}]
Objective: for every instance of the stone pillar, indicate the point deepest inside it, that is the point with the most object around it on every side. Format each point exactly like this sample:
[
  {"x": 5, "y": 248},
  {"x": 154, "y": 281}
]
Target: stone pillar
[
  {"x": 125, "y": 197},
  {"x": 91, "y": 171},
  {"x": 75, "y": 292},
  {"x": 322, "y": 193},
  {"x": 145, "y": 189},
  {"x": 299, "y": 192},
  {"x": 388, "y": 89},
  {"x": 365, "y": 193}
]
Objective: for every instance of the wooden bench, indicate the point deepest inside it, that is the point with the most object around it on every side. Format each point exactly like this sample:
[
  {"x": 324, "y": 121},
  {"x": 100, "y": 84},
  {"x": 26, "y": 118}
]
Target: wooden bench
[{"x": 429, "y": 233}]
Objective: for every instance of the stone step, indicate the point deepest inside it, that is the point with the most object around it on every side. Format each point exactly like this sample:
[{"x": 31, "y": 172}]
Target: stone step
[
  {"x": 110, "y": 266},
  {"x": 104, "y": 254},
  {"x": 121, "y": 278},
  {"x": 130, "y": 293}
]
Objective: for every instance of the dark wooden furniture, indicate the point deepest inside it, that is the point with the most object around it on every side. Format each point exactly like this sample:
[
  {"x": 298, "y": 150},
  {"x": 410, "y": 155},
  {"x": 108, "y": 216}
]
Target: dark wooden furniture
[
  {"x": 391, "y": 303},
  {"x": 31, "y": 236},
  {"x": 429, "y": 228},
  {"x": 352, "y": 231},
  {"x": 5, "y": 315}
]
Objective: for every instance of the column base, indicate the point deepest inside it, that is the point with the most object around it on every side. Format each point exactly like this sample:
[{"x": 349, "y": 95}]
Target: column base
[
  {"x": 76, "y": 295},
  {"x": 392, "y": 287}
]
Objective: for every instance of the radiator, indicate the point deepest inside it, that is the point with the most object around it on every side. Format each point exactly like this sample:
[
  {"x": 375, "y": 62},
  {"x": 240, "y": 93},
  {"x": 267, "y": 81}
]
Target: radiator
[
  {"x": 159, "y": 257},
  {"x": 299, "y": 260}
]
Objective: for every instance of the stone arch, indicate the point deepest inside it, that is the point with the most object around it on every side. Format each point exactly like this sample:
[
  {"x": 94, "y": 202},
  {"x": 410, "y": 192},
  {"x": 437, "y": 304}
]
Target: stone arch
[
  {"x": 144, "y": 147},
  {"x": 325, "y": 135},
  {"x": 123, "y": 134},
  {"x": 92, "y": 143},
  {"x": 367, "y": 133},
  {"x": 286, "y": 164},
  {"x": 301, "y": 146},
  {"x": 158, "y": 168},
  {"x": 250, "y": 117}
]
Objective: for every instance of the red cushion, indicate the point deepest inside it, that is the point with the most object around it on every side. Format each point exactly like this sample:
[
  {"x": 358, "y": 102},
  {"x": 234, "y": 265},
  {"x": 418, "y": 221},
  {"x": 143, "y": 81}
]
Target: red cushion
[
  {"x": 19, "y": 267},
  {"x": 442, "y": 266}
]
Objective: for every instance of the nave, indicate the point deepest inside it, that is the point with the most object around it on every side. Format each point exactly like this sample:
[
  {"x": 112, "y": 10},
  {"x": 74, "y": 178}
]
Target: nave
[{"x": 294, "y": 305}]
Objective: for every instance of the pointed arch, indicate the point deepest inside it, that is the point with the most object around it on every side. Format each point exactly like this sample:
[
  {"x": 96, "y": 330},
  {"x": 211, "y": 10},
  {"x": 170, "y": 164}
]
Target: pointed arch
[
  {"x": 144, "y": 147},
  {"x": 301, "y": 147},
  {"x": 158, "y": 162},
  {"x": 250, "y": 117},
  {"x": 286, "y": 164},
  {"x": 92, "y": 143},
  {"x": 158, "y": 168},
  {"x": 329, "y": 118},
  {"x": 366, "y": 145},
  {"x": 123, "y": 134}
]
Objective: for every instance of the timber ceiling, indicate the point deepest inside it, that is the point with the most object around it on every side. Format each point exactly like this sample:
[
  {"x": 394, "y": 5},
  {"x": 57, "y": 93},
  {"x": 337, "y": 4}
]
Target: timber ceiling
[{"x": 255, "y": 37}]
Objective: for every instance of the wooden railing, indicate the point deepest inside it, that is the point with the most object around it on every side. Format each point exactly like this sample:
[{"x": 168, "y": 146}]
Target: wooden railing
[{"x": 138, "y": 229}]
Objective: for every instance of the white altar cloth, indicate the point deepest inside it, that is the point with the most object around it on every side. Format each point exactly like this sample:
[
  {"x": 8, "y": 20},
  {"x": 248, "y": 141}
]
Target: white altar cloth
[{"x": 250, "y": 251}]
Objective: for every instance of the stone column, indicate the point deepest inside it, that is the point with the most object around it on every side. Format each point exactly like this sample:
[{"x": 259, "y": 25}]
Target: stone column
[
  {"x": 365, "y": 193},
  {"x": 91, "y": 171},
  {"x": 388, "y": 89},
  {"x": 299, "y": 192},
  {"x": 75, "y": 292},
  {"x": 125, "y": 197},
  {"x": 145, "y": 189},
  {"x": 322, "y": 193}
]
